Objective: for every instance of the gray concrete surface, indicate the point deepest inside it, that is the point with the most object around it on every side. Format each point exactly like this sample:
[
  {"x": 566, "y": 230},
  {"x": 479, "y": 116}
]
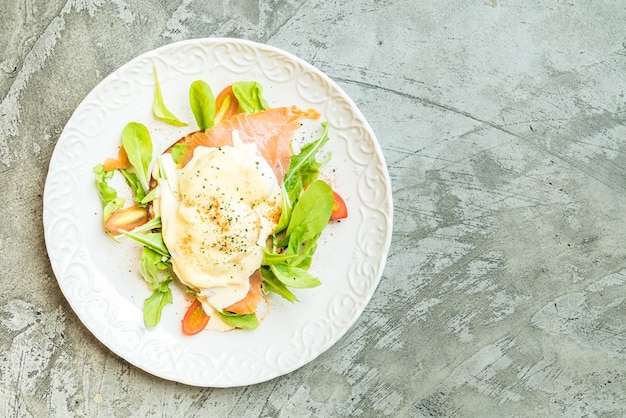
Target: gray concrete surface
[{"x": 502, "y": 124}]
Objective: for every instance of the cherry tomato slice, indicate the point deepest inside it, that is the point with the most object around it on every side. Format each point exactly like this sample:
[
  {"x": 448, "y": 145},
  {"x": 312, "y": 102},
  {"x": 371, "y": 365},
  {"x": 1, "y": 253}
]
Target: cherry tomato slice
[
  {"x": 195, "y": 319},
  {"x": 340, "y": 210},
  {"x": 226, "y": 105},
  {"x": 127, "y": 219}
]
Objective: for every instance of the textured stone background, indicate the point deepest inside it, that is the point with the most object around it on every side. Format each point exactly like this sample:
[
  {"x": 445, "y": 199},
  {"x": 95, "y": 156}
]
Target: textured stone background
[{"x": 502, "y": 124}]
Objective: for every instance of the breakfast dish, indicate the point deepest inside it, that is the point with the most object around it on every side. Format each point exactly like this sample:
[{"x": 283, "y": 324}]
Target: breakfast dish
[
  {"x": 229, "y": 211},
  {"x": 99, "y": 276}
]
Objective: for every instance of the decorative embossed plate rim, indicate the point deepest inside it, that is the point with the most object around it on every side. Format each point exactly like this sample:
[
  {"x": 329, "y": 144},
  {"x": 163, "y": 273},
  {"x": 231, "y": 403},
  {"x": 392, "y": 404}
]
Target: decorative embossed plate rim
[{"x": 99, "y": 277}]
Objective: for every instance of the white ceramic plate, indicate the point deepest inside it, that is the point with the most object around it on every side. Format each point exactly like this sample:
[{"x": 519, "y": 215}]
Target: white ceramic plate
[{"x": 100, "y": 278}]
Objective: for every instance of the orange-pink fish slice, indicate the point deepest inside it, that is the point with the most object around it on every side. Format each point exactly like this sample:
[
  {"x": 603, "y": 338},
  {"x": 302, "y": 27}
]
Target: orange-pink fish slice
[{"x": 272, "y": 130}]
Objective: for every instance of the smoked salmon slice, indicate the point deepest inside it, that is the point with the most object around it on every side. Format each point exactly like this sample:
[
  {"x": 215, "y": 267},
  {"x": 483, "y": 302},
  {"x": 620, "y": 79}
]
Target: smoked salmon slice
[
  {"x": 272, "y": 130},
  {"x": 121, "y": 162},
  {"x": 250, "y": 302}
]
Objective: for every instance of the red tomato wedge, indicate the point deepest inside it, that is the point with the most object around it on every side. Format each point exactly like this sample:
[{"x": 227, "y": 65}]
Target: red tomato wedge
[
  {"x": 340, "y": 210},
  {"x": 250, "y": 302},
  {"x": 126, "y": 219},
  {"x": 273, "y": 131},
  {"x": 121, "y": 162},
  {"x": 226, "y": 105},
  {"x": 195, "y": 319}
]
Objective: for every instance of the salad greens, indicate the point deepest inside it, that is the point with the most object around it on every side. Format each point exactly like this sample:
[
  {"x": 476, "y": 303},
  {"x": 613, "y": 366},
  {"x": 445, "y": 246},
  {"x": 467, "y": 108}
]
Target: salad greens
[
  {"x": 250, "y": 96},
  {"x": 304, "y": 168},
  {"x": 202, "y": 104},
  {"x": 307, "y": 204},
  {"x": 132, "y": 180},
  {"x": 138, "y": 145},
  {"x": 293, "y": 248},
  {"x": 158, "y": 107},
  {"x": 312, "y": 212},
  {"x": 243, "y": 321},
  {"x": 157, "y": 273},
  {"x": 156, "y": 269},
  {"x": 177, "y": 152},
  {"x": 108, "y": 195}
]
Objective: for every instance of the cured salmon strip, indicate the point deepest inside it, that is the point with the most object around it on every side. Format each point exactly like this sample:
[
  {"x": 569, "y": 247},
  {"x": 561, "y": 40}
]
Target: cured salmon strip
[
  {"x": 121, "y": 162},
  {"x": 272, "y": 130},
  {"x": 250, "y": 302}
]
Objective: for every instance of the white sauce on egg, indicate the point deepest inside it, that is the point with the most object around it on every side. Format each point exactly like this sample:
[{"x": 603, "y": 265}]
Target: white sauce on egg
[{"x": 217, "y": 213}]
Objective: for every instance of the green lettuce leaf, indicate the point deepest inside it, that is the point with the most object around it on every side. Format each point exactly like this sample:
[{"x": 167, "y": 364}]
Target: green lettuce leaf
[
  {"x": 106, "y": 192},
  {"x": 158, "y": 107},
  {"x": 138, "y": 145},
  {"x": 202, "y": 102},
  {"x": 108, "y": 195},
  {"x": 156, "y": 272},
  {"x": 270, "y": 258},
  {"x": 250, "y": 96},
  {"x": 273, "y": 285},
  {"x": 112, "y": 206},
  {"x": 294, "y": 276},
  {"x": 153, "y": 305},
  {"x": 177, "y": 152},
  {"x": 312, "y": 212},
  {"x": 243, "y": 321}
]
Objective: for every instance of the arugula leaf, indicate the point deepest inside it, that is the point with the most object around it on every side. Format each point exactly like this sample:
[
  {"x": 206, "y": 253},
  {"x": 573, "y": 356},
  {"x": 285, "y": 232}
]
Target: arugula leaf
[
  {"x": 149, "y": 197},
  {"x": 153, "y": 223},
  {"x": 270, "y": 258},
  {"x": 294, "y": 276},
  {"x": 309, "y": 218},
  {"x": 152, "y": 240},
  {"x": 304, "y": 167},
  {"x": 202, "y": 102},
  {"x": 305, "y": 257},
  {"x": 243, "y": 321},
  {"x": 294, "y": 240},
  {"x": 250, "y": 96},
  {"x": 158, "y": 107},
  {"x": 138, "y": 144},
  {"x": 272, "y": 284},
  {"x": 285, "y": 213},
  {"x": 135, "y": 185},
  {"x": 303, "y": 251},
  {"x": 295, "y": 191},
  {"x": 304, "y": 216}
]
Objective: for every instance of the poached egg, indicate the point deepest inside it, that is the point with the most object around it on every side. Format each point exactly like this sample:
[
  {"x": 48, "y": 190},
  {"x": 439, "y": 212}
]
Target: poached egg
[{"x": 217, "y": 213}]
